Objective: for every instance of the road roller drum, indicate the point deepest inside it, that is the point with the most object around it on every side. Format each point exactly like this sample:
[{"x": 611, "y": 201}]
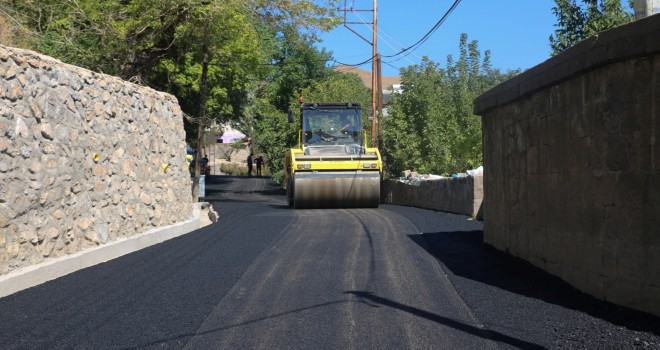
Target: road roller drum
[{"x": 336, "y": 190}]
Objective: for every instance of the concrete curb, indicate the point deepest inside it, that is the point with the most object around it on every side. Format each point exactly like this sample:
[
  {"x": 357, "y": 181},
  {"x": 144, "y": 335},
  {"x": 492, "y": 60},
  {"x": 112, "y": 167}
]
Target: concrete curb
[{"x": 53, "y": 268}]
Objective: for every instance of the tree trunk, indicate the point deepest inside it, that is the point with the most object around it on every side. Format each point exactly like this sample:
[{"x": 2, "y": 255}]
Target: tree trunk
[{"x": 201, "y": 121}]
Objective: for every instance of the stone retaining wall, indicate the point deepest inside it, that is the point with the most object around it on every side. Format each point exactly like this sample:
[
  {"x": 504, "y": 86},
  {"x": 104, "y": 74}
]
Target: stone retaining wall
[
  {"x": 573, "y": 180},
  {"x": 85, "y": 159},
  {"x": 460, "y": 196}
]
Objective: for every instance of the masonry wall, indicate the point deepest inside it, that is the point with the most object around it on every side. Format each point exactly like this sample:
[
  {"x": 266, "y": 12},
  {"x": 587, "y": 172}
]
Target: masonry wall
[
  {"x": 572, "y": 161},
  {"x": 460, "y": 196},
  {"x": 85, "y": 159}
]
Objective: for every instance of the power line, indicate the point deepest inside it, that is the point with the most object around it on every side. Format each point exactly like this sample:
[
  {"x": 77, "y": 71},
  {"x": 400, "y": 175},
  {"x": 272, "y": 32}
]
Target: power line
[
  {"x": 408, "y": 50},
  {"x": 428, "y": 34},
  {"x": 391, "y": 65},
  {"x": 355, "y": 64},
  {"x": 381, "y": 37}
]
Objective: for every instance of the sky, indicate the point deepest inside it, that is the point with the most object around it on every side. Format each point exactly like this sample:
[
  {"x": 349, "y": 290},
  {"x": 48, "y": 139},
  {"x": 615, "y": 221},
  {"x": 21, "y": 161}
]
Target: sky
[{"x": 515, "y": 31}]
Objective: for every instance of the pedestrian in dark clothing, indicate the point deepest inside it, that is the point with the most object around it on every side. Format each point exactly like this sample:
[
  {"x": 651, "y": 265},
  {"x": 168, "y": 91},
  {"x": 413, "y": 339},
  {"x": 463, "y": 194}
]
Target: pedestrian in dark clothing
[
  {"x": 249, "y": 161},
  {"x": 259, "y": 161},
  {"x": 204, "y": 165}
]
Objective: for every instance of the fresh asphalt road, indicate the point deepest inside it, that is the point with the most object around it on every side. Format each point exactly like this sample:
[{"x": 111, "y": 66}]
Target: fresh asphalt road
[{"x": 269, "y": 277}]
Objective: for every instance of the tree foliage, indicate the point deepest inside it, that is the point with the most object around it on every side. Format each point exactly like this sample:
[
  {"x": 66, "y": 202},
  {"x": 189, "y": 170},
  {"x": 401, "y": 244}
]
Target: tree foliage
[
  {"x": 236, "y": 61},
  {"x": 340, "y": 87},
  {"x": 430, "y": 127},
  {"x": 245, "y": 62},
  {"x": 297, "y": 65},
  {"x": 578, "y": 21},
  {"x": 274, "y": 135}
]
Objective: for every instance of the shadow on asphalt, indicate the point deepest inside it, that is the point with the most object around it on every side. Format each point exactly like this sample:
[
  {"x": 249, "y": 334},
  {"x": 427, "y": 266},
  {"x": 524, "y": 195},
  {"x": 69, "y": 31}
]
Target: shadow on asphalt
[
  {"x": 483, "y": 333},
  {"x": 465, "y": 255}
]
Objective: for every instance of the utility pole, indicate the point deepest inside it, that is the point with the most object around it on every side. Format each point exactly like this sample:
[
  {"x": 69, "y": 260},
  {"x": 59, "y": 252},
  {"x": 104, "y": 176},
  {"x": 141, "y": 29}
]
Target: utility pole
[
  {"x": 379, "y": 83},
  {"x": 376, "y": 91},
  {"x": 374, "y": 78}
]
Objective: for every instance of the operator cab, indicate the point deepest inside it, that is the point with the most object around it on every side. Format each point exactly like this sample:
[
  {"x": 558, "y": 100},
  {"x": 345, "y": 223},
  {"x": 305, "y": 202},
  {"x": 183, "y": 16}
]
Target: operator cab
[{"x": 332, "y": 130}]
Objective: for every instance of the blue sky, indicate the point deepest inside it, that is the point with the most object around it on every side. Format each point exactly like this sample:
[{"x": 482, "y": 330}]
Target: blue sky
[{"x": 515, "y": 31}]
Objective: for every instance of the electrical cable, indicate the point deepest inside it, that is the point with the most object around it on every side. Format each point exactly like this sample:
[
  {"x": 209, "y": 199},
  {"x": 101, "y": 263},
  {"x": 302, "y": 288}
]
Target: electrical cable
[
  {"x": 381, "y": 37},
  {"x": 356, "y": 64},
  {"x": 408, "y": 50},
  {"x": 427, "y": 35},
  {"x": 391, "y": 65}
]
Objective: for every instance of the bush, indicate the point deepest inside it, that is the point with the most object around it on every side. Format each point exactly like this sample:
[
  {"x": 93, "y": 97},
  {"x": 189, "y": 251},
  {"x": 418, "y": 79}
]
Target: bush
[
  {"x": 233, "y": 169},
  {"x": 278, "y": 177}
]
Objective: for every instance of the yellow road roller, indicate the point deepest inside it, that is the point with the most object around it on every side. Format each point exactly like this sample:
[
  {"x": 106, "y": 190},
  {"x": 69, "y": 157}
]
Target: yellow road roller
[{"x": 332, "y": 167}]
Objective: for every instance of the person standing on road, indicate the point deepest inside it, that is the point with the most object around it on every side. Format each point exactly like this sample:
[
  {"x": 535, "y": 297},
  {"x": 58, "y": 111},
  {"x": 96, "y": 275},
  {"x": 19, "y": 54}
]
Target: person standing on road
[
  {"x": 249, "y": 164},
  {"x": 259, "y": 160}
]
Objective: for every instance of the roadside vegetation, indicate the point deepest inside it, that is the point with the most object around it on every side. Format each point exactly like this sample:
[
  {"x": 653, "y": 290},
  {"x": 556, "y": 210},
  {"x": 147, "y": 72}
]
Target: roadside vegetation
[
  {"x": 245, "y": 62},
  {"x": 578, "y": 20},
  {"x": 233, "y": 169},
  {"x": 431, "y": 127}
]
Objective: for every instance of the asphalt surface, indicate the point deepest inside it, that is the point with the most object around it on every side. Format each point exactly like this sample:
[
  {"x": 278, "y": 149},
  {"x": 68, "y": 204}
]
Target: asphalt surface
[{"x": 268, "y": 277}]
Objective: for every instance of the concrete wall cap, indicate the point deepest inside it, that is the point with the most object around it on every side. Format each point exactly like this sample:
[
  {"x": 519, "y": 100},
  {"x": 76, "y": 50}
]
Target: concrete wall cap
[{"x": 637, "y": 38}]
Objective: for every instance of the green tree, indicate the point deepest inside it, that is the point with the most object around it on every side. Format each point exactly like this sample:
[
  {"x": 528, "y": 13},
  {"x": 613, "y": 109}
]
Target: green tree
[
  {"x": 67, "y": 30},
  {"x": 125, "y": 38},
  {"x": 431, "y": 127},
  {"x": 307, "y": 16},
  {"x": 210, "y": 51},
  {"x": 407, "y": 127},
  {"x": 225, "y": 60},
  {"x": 297, "y": 65},
  {"x": 578, "y": 21},
  {"x": 339, "y": 87},
  {"x": 274, "y": 135}
]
